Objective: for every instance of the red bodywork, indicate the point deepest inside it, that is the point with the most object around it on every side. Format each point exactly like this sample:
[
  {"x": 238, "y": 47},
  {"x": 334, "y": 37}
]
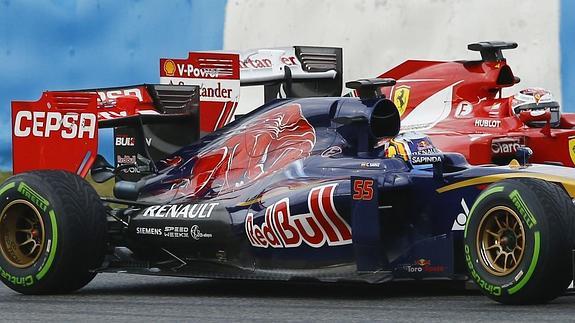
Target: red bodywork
[
  {"x": 218, "y": 76},
  {"x": 60, "y": 131},
  {"x": 458, "y": 105}
]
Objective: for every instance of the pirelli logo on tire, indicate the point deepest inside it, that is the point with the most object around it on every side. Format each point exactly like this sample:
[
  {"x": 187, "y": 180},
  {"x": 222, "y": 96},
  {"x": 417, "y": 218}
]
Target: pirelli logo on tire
[
  {"x": 523, "y": 209},
  {"x": 34, "y": 197}
]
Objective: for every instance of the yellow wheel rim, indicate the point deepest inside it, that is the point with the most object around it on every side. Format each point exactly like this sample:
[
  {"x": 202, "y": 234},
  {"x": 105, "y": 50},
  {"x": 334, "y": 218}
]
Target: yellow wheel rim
[
  {"x": 500, "y": 241},
  {"x": 22, "y": 234}
]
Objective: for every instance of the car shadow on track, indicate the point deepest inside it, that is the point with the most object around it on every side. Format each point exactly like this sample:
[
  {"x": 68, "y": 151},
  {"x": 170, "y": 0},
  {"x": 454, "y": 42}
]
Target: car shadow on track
[{"x": 258, "y": 289}]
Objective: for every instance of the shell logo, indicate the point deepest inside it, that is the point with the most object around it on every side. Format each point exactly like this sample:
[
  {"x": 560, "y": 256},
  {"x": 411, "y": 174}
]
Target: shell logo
[{"x": 169, "y": 67}]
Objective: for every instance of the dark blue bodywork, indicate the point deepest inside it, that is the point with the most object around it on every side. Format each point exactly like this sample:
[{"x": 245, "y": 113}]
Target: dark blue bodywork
[{"x": 402, "y": 225}]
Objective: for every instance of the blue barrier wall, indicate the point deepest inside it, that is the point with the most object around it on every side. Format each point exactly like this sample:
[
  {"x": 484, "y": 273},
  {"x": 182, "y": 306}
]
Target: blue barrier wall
[
  {"x": 567, "y": 41},
  {"x": 67, "y": 44},
  {"x": 55, "y": 45}
]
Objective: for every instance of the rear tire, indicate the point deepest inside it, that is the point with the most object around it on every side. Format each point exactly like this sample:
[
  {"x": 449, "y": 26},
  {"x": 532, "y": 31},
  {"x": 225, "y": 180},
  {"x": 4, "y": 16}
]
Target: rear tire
[
  {"x": 518, "y": 241},
  {"x": 52, "y": 232}
]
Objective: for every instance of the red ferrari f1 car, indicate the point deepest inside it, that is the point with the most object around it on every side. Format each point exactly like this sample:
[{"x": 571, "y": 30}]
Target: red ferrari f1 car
[{"x": 460, "y": 106}]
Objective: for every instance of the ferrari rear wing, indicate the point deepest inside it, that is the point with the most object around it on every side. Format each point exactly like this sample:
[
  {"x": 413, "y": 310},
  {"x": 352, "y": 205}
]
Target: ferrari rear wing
[
  {"x": 262, "y": 66},
  {"x": 296, "y": 71}
]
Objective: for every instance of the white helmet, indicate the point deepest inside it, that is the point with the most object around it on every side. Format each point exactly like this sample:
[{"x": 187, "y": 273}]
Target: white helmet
[{"x": 534, "y": 99}]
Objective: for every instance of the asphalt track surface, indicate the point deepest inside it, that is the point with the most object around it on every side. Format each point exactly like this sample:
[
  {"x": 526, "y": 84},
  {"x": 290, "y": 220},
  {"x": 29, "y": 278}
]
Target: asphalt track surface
[{"x": 120, "y": 297}]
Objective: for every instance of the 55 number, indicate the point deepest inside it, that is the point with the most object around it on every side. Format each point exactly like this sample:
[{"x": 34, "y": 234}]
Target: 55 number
[{"x": 363, "y": 189}]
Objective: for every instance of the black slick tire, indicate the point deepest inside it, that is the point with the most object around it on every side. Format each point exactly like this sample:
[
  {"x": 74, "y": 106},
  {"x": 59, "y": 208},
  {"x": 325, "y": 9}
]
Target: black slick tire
[
  {"x": 536, "y": 242},
  {"x": 52, "y": 232}
]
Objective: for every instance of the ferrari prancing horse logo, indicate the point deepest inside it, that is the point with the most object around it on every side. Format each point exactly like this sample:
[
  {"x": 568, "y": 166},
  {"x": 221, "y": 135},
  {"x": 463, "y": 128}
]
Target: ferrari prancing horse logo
[
  {"x": 572, "y": 149},
  {"x": 401, "y": 97}
]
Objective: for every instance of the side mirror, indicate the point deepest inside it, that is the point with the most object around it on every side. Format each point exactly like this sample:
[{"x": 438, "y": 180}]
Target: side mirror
[
  {"x": 523, "y": 154},
  {"x": 538, "y": 115}
]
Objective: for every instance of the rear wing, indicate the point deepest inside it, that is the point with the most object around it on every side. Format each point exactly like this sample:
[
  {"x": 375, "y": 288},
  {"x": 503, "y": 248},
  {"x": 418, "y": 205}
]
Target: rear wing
[
  {"x": 294, "y": 72},
  {"x": 118, "y": 105},
  {"x": 60, "y": 131},
  {"x": 150, "y": 121}
]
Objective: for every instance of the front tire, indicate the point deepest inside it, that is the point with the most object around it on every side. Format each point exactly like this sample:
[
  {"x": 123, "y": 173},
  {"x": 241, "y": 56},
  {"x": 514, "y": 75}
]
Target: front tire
[
  {"x": 518, "y": 241},
  {"x": 52, "y": 232}
]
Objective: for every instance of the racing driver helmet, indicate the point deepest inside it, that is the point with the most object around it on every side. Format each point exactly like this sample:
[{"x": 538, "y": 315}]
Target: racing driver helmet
[
  {"x": 536, "y": 99},
  {"x": 409, "y": 144}
]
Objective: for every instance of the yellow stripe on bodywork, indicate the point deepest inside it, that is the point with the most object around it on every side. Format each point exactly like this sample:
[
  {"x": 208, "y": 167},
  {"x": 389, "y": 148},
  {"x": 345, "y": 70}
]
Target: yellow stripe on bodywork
[
  {"x": 250, "y": 202},
  {"x": 568, "y": 184}
]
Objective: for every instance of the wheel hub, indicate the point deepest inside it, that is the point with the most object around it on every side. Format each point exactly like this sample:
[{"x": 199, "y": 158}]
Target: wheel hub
[
  {"x": 508, "y": 241},
  {"x": 22, "y": 234},
  {"x": 500, "y": 241}
]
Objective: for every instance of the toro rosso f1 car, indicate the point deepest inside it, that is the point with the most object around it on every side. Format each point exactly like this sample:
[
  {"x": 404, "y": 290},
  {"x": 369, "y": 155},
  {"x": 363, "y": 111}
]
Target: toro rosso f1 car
[
  {"x": 298, "y": 189},
  {"x": 460, "y": 106}
]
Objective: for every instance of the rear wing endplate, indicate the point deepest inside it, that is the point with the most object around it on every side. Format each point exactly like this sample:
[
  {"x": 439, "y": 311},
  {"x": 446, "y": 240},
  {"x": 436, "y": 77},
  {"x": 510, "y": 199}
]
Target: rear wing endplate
[{"x": 59, "y": 131}]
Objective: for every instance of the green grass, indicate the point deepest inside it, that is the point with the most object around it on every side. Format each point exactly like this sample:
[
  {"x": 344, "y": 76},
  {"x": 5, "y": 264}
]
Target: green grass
[
  {"x": 104, "y": 189},
  {"x": 4, "y": 176}
]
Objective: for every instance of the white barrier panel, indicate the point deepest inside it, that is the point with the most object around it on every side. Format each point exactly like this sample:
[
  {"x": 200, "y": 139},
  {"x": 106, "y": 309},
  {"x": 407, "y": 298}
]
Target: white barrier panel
[{"x": 378, "y": 35}]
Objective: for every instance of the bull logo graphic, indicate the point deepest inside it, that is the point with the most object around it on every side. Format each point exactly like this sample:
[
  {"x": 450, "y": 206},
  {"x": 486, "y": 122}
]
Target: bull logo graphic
[
  {"x": 264, "y": 145},
  {"x": 320, "y": 226}
]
